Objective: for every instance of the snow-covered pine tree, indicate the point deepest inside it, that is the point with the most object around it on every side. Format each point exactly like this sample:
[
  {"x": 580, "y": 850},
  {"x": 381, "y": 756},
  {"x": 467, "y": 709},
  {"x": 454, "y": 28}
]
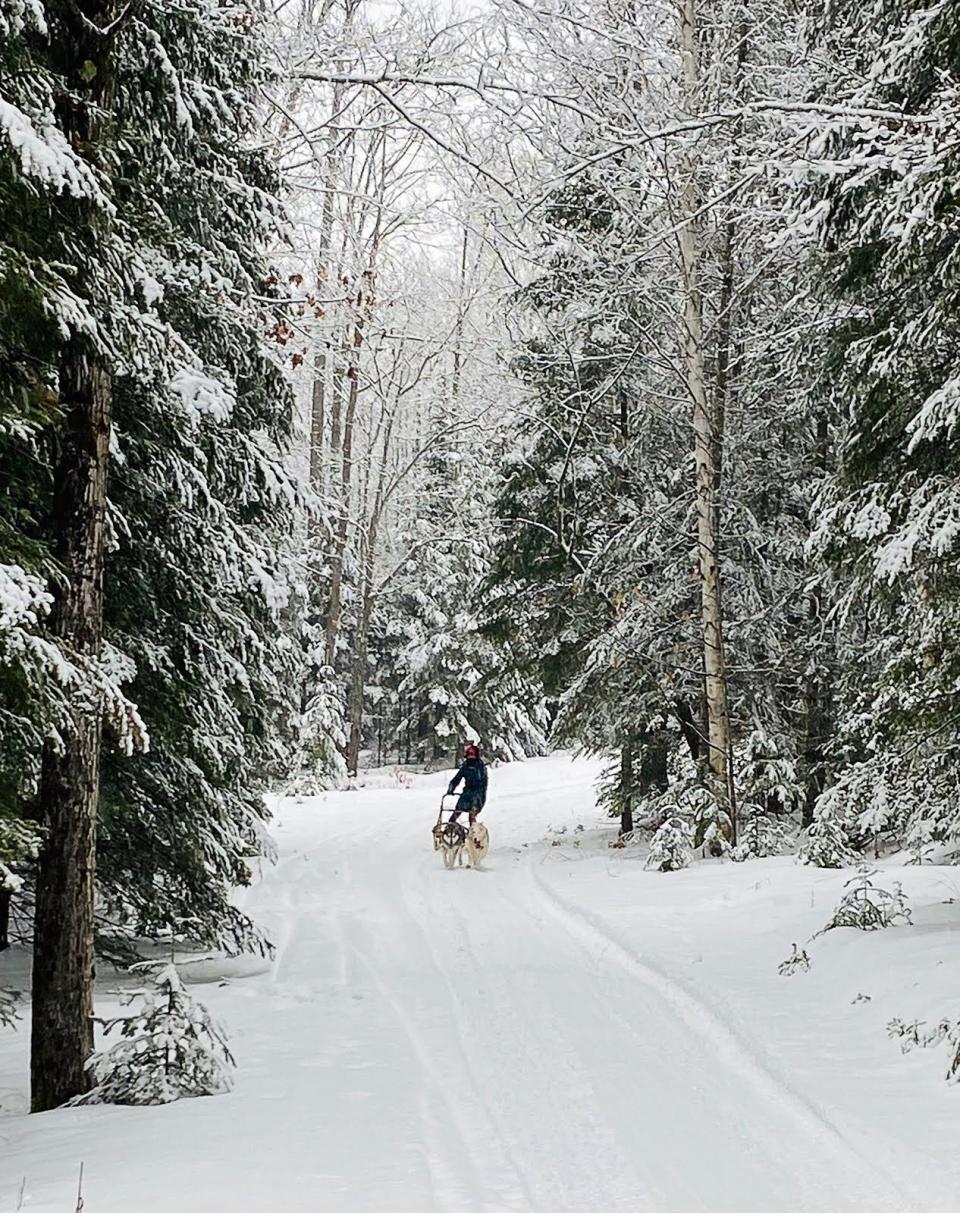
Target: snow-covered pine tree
[
  {"x": 76, "y": 225},
  {"x": 827, "y": 841},
  {"x": 201, "y": 498},
  {"x": 589, "y": 581},
  {"x": 36, "y": 299},
  {"x": 140, "y": 205},
  {"x": 671, "y": 847},
  {"x": 769, "y": 792},
  {"x": 455, "y": 679},
  {"x": 46, "y": 186},
  {"x": 169, "y": 1049},
  {"x": 883, "y": 206},
  {"x": 598, "y": 517}
]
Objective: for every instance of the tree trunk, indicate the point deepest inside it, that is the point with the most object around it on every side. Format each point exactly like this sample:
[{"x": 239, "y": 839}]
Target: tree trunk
[
  {"x": 63, "y": 957},
  {"x": 325, "y": 277},
  {"x": 368, "y": 595},
  {"x": 818, "y": 708},
  {"x": 358, "y": 678},
  {"x": 692, "y": 735},
  {"x": 706, "y": 440},
  {"x": 653, "y": 761},
  {"x": 346, "y": 477},
  {"x": 63, "y": 960},
  {"x": 818, "y": 704},
  {"x": 5, "y": 898},
  {"x": 626, "y": 789},
  {"x": 461, "y": 318}
]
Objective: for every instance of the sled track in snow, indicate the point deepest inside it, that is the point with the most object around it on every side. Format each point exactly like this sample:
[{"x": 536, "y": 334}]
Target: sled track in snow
[
  {"x": 441, "y": 1125},
  {"x": 705, "y": 1023},
  {"x": 466, "y": 1061},
  {"x": 469, "y": 1068}
]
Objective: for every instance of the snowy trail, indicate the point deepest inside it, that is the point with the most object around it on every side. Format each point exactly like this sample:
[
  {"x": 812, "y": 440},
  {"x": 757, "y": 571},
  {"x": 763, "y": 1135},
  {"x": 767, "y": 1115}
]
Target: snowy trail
[{"x": 455, "y": 1042}]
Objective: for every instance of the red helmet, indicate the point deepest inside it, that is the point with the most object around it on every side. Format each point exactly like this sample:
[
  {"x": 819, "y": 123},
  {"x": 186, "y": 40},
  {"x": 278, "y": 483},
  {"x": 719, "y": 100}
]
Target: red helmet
[{"x": 471, "y": 750}]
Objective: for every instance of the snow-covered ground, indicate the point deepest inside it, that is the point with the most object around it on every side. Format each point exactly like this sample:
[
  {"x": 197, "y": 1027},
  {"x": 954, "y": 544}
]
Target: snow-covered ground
[{"x": 562, "y": 1033}]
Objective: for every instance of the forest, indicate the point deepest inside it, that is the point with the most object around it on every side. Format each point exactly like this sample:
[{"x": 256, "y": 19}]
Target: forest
[{"x": 567, "y": 375}]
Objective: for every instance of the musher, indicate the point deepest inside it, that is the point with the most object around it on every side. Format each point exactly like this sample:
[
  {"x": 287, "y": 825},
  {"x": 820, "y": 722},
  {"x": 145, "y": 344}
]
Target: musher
[{"x": 474, "y": 776}]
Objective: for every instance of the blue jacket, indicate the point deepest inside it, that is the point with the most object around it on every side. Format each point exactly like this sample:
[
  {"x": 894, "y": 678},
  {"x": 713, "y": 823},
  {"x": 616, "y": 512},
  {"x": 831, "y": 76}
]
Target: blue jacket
[{"x": 474, "y": 776}]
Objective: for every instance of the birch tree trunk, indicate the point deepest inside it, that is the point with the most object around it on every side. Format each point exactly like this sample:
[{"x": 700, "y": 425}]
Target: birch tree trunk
[
  {"x": 363, "y": 308},
  {"x": 346, "y": 478},
  {"x": 706, "y": 443}
]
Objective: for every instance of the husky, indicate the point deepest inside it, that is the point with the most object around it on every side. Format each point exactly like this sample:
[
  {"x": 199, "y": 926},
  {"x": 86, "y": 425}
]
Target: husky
[
  {"x": 454, "y": 840},
  {"x": 477, "y": 843}
]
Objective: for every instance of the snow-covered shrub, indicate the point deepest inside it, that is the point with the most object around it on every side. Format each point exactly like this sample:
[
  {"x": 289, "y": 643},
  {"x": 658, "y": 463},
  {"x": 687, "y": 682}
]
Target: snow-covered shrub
[
  {"x": 671, "y": 848},
  {"x": 916, "y": 1035},
  {"x": 760, "y": 835},
  {"x": 712, "y": 827},
  {"x": 769, "y": 791},
  {"x": 880, "y": 797},
  {"x": 706, "y": 823},
  {"x": 866, "y": 907},
  {"x": 766, "y": 777},
  {"x": 19, "y": 840},
  {"x": 827, "y": 844},
  {"x": 797, "y": 962},
  {"x": 170, "y": 1049},
  {"x": 320, "y": 737}
]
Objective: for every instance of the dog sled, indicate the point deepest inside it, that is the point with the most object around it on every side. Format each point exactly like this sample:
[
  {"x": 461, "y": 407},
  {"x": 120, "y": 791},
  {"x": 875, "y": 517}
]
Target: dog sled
[{"x": 451, "y": 837}]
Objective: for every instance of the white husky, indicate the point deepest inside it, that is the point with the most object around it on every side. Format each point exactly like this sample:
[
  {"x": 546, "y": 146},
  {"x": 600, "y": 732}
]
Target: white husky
[{"x": 478, "y": 843}]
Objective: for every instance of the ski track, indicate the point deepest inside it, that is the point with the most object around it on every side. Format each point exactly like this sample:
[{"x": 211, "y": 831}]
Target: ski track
[
  {"x": 433, "y": 1041},
  {"x": 732, "y": 1051},
  {"x": 522, "y": 1050}
]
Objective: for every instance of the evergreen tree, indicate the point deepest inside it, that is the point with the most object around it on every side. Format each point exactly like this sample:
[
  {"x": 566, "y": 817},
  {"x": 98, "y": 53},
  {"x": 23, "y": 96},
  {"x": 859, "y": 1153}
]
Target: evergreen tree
[
  {"x": 885, "y": 215},
  {"x": 450, "y": 672},
  {"x": 202, "y": 498},
  {"x": 135, "y": 299},
  {"x": 670, "y": 849},
  {"x": 169, "y": 1049}
]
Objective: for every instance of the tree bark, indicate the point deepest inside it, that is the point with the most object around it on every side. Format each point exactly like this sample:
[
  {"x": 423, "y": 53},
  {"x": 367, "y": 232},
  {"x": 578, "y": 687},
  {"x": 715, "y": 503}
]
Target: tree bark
[
  {"x": 325, "y": 276},
  {"x": 63, "y": 955},
  {"x": 368, "y": 595},
  {"x": 692, "y": 735},
  {"x": 346, "y": 478},
  {"x": 63, "y": 959},
  {"x": 626, "y": 789},
  {"x": 706, "y": 441},
  {"x": 358, "y": 677},
  {"x": 653, "y": 761},
  {"x": 363, "y": 309},
  {"x": 5, "y": 898}
]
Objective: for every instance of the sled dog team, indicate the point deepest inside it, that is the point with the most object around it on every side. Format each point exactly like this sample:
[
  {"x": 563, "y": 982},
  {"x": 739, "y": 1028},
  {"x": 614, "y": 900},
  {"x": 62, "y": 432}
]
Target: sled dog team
[{"x": 475, "y": 840}]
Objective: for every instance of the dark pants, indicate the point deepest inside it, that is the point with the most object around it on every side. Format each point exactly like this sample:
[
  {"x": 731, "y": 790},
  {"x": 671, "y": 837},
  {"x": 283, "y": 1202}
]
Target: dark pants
[{"x": 467, "y": 804}]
